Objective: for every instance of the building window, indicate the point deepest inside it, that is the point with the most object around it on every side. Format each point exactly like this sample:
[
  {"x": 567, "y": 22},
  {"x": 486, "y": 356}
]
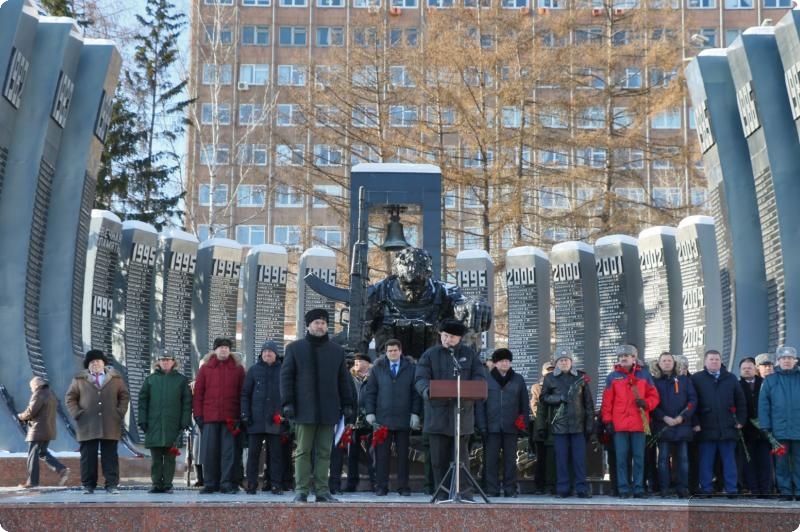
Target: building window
[
  {"x": 360, "y": 153},
  {"x": 218, "y": 2},
  {"x": 365, "y": 116},
  {"x": 592, "y": 118},
  {"x": 250, "y": 235},
  {"x": 289, "y": 114},
  {"x": 623, "y": 118},
  {"x": 738, "y": 4},
  {"x": 293, "y": 3},
  {"x": 288, "y": 196},
  {"x": 330, "y": 3},
  {"x": 254, "y": 74},
  {"x": 218, "y": 35},
  {"x": 702, "y": 4},
  {"x": 553, "y": 118},
  {"x": 327, "y": 155},
  {"x": 632, "y": 78},
  {"x": 664, "y": 158},
  {"x": 552, "y": 4},
  {"x": 217, "y": 74},
  {"x": 256, "y": 3},
  {"x": 553, "y": 198},
  {"x": 556, "y": 159},
  {"x": 512, "y": 117},
  {"x": 220, "y": 195},
  {"x": 699, "y": 196},
  {"x": 322, "y": 192},
  {"x": 251, "y": 195},
  {"x": 365, "y": 77},
  {"x": 292, "y": 36},
  {"x": 252, "y": 155},
  {"x": 669, "y": 119},
  {"x": 445, "y": 116},
  {"x": 402, "y": 115},
  {"x": 704, "y": 37},
  {"x": 212, "y": 155},
  {"x": 403, "y": 37},
  {"x": 513, "y": 4},
  {"x": 471, "y": 199},
  {"x": 327, "y": 115},
  {"x": 251, "y": 113},
  {"x": 633, "y": 195},
  {"x": 662, "y": 78},
  {"x": 287, "y": 235},
  {"x": 593, "y": 36},
  {"x": 473, "y": 238},
  {"x": 324, "y": 75},
  {"x": 731, "y": 35},
  {"x": 476, "y": 158},
  {"x": 255, "y": 35},
  {"x": 291, "y": 75},
  {"x": 666, "y": 197},
  {"x": 366, "y": 37},
  {"x": 204, "y": 232},
  {"x": 221, "y": 117},
  {"x": 556, "y": 234},
  {"x": 777, "y": 3},
  {"x": 589, "y": 198},
  {"x": 330, "y": 36},
  {"x": 593, "y": 157},
  {"x": 329, "y": 236},
  {"x": 404, "y": 3},
  {"x": 629, "y": 158},
  {"x": 289, "y": 155},
  {"x": 400, "y": 77},
  {"x": 592, "y": 78}
]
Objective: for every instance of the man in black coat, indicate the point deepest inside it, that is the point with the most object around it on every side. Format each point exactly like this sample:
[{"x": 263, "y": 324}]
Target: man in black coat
[
  {"x": 438, "y": 363},
  {"x": 316, "y": 393},
  {"x": 261, "y": 407},
  {"x": 391, "y": 401},
  {"x": 721, "y": 411},
  {"x": 756, "y": 472}
]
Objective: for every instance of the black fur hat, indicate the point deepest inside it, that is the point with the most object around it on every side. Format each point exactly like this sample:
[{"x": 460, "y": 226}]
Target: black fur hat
[{"x": 94, "y": 354}]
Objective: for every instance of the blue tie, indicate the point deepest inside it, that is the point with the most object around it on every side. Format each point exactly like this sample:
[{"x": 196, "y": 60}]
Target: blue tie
[{"x": 394, "y": 369}]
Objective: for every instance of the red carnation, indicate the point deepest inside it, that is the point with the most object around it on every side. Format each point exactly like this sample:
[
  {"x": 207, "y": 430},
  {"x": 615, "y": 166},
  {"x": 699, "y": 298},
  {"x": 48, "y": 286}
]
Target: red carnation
[
  {"x": 276, "y": 418},
  {"x": 586, "y": 379},
  {"x": 779, "y": 450},
  {"x": 233, "y": 427},
  {"x": 689, "y": 406},
  {"x": 520, "y": 423},
  {"x": 380, "y": 435},
  {"x": 284, "y": 438},
  {"x": 174, "y": 451},
  {"x": 605, "y": 438},
  {"x": 347, "y": 437},
  {"x": 732, "y": 410}
]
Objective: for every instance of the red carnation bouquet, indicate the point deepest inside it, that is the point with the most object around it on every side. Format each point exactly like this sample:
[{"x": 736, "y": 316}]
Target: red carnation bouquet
[
  {"x": 347, "y": 437},
  {"x": 380, "y": 435},
  {"x": 732, "y": 410},
  {"x": 233, "y": 426},
  {"x": 174, "y": 451},
  {"x": 520, "y": 423},
  {"x": 277, "y": 419},
  {"x": 778, "y": 449}
]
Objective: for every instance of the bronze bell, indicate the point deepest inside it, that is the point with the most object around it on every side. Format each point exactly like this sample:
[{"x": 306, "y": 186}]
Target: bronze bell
[{"x": 395, "y": 239}]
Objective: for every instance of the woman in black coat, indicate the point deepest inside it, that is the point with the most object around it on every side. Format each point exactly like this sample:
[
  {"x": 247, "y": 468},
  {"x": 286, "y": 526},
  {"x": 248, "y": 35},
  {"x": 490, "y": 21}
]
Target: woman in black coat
[{"x": 261, "y": 406}]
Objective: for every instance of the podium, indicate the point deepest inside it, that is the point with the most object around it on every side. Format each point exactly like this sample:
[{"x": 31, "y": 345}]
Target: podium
[{"x": 457, "y": 389}]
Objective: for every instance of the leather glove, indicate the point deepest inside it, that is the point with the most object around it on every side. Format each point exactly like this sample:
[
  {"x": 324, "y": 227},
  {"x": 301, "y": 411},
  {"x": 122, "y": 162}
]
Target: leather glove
[
  {"x": 415, "y": 422},
  {"x": 288, "y": 412},
  {"x": 246, "y": 420},
  {"x": 371, "y": 419},
  {"x": 199, "y": 422},
  {"x": 349, "y": 415},
  {"x": 641, "y": 404},
  {"x": 541, "y": 434},
  {"x": 609, "y": 428},
  {"x": 143, "y": 427}
]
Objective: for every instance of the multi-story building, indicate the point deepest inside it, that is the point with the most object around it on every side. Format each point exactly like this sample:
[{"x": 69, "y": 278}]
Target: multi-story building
[{"x": 291, "y": 93}]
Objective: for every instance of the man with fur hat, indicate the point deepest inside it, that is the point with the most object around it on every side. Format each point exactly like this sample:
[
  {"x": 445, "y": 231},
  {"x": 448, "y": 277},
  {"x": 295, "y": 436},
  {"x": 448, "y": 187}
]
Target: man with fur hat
[
  {"x": 316, "y": 393},
  {"x": 778, "y": 414},
  {"x": 362, "y": 435},
  {"x": 41, "y": 419},
  {"x": 628, "y": 399},
  {"x": 98, "y": 399},
  {"x": 566, "y": 391},
  {"x": 217, "y": 392},
  {"x": 391, "y": 401},
  {"x": 261, "y": 403},
  {"x": 165, "y": 409},
  {"x": 501, "y": 418},
  {"x": 439, "y": 363}
]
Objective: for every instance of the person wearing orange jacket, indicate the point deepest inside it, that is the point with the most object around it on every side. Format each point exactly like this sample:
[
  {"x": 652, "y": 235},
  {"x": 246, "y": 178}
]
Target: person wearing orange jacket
[{"x": 628, "y": 399}]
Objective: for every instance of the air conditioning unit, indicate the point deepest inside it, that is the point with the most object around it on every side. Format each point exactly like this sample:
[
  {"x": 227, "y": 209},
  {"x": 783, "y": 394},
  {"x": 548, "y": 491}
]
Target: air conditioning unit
[
  {"x": 373, "y": 9},
  {"x": 542, "y": 10},
  {"x": 395, "y": 11},
  {"x": 243, "y": 86},
  {"x": 619, "y": 11},
  {"x": 596, "y": 12}
]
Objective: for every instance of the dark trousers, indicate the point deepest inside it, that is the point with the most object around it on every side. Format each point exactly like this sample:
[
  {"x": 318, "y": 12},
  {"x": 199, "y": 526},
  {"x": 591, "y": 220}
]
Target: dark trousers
[
  {"x": 337, "y": 465},
  {"x": 162, "y": 468},
  {"x": 757, "y": 473},
  {"x": 272, "y": 445},
  {"x": 787, "y": 468},
  {"x": 443, "y": 454},
  {"x": 401, "y": 440},
  {"x": 727, "y": 453},
  {"x": 109, "y": 461},
  {"x": 677, "y": 450},
  {"x": 355, "y": 451},
  {"x": 496, "y": 441},
  {"x": 219, "y": 456},
  {"x": 570, "y": 452},
  {"x": 37, "y": 450}
]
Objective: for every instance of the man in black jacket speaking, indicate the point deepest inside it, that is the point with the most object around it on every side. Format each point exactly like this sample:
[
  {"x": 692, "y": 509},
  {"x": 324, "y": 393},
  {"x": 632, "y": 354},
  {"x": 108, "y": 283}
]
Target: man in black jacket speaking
[{"x": 316, "y": 392}]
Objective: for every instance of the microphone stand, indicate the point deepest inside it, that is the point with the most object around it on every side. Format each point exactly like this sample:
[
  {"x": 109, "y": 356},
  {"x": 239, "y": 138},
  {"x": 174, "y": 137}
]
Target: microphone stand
[{"x": 454, "y": 473}]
